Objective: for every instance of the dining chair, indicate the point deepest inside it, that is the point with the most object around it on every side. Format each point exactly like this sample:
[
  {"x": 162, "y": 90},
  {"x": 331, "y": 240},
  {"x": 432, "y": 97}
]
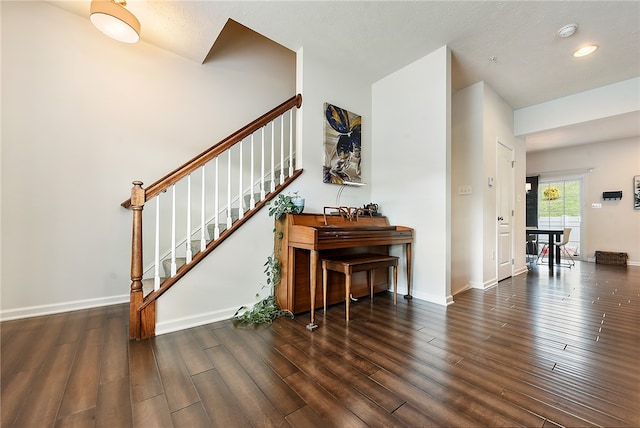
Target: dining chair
[
  {"x": 562, "y": 248},
  {"x": 531, "y": 249}
]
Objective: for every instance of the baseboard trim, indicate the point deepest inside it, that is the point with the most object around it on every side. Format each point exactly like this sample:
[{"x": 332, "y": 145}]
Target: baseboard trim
[
  {"x": 520, "y": 271},
  {"x": 484, "y": 285},
  {"x": 164, "y": 327},
  {"x": 440, "y": 300},
  {"x": 36, "y": 311}
]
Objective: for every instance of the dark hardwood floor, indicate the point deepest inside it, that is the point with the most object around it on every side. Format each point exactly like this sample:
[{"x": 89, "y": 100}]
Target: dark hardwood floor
[{"x": 538, "y": 350}]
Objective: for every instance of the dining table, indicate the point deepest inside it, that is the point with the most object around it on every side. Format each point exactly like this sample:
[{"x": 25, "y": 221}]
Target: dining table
[{"x": 555, "y": 235}]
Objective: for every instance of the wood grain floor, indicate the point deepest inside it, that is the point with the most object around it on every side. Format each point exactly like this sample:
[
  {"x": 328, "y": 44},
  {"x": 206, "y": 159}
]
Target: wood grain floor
[{"x": 538, "y": 350}]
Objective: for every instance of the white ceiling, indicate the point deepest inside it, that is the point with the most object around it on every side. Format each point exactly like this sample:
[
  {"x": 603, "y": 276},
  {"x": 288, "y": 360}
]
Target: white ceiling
[{"x": 530, "y": 65}]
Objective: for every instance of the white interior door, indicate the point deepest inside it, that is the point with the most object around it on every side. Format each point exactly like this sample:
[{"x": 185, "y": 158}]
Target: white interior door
[{"x": 504, "y": 196}]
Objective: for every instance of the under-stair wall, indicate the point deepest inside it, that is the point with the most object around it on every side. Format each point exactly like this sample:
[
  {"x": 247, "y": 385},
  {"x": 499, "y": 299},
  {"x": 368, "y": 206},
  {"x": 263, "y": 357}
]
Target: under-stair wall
[{"x": 194, "y": 208}]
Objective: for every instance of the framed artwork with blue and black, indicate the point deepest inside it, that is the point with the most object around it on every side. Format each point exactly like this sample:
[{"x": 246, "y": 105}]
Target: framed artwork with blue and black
[{"x": 342, "y": 146}]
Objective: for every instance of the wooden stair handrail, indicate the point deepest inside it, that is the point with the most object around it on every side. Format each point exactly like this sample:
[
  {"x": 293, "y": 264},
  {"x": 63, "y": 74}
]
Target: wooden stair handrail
[
  {"x": 204, "y": 157},
  {"x": 169, "y": 282}
]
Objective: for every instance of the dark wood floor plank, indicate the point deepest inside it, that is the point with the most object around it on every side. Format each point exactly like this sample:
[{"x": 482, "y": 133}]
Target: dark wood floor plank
[
  {"x": 81, "y": 392},
  {"x": 144, "y": 375},
  {"x": 83, "y": 419},
  {"x": 15, "y": 390},
  {"x": 204, "y": 336},
  {"x": 8, "y": 329},
  {"x": 356, "y": 401},
  {"x": 454, "y": 392},
  {"x": 192, "y": 416},
  {"x": 434, "y": 409},
  {"x": 218, "y": 401},
  {"x": 306, "y": 417},
  {"x": 46, "y": 395},
  {"x": 551, "y": 413},
  {"x": 113, "y": 408},
  {"x": 360, "y": 381},
  {"x": 274, "y": 360},
  {"x": 152, "y": 412},
  {"x": 325, "y": 405},
  {"x": 192, "y": 354},
  {"x": 115, "y": 358},
  {"x": 251, "y": 357},
  {"x": 96, "y": 317},
  {"x": 540, "y": 349},
  {"x": 74, "y": 326},
  {"x": 29, "y": 349},
  {"x": 174, "y": 373},
  {"x": 545, "y": 392},
  {"x": 257, "y": 408},
  {"x": 413, "y": 417}
]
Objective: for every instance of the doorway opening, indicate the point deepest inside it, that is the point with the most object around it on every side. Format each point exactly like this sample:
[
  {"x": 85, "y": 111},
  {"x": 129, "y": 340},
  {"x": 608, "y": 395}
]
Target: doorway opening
[{"x": 560, "y": 206}]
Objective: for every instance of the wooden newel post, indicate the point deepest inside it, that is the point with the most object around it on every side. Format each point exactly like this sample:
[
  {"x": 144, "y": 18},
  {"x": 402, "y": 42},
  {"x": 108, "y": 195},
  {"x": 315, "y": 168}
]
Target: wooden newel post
[{"x": 136, "y": 295}]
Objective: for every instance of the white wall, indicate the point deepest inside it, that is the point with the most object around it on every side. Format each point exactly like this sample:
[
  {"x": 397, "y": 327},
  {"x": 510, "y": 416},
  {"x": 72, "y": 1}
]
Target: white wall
[
  {"x": 83, "y": 116},
  {"x": 411, "y": 165},
  {"x": 498, "y": 127},
  {"x": 321, "y": 82},
  {"x": 615, "y": 226},
  {"x": 481, "y": 119},
  {"x": 606, "y": 101},
  {"x": 467, "y": 214}
]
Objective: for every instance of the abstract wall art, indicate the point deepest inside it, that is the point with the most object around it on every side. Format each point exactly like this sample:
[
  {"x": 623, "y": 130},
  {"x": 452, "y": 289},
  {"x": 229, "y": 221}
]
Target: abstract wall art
[{"x": 342, "y": 146}]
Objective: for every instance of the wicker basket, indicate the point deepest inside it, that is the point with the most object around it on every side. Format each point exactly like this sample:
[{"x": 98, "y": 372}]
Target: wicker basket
[{"x": 611, "y": 258}]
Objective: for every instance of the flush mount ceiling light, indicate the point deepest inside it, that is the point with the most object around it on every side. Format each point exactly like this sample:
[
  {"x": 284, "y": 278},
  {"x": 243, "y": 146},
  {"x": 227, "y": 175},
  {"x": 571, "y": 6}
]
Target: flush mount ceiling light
[
  {"x": 114, "y": 20},
  {"x": 567, "y": 30},
  {"x": 585, "y": 50}
]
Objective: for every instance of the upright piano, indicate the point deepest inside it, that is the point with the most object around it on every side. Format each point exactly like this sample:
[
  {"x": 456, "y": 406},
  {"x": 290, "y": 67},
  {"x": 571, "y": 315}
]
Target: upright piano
[{"x": 302, "y": 240}]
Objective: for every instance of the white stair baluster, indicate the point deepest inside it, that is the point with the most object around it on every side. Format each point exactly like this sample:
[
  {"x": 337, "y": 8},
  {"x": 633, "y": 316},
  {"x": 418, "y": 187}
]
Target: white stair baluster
[
  {"x": 203, "y": 239},
  {"x": 216, "y": 206},
  {"x": 173, "y": 231},
  {"x": 281, "y": 149},
  {"x": 252, "y": 199},
  {"x": 262, "y": 192},
  {"x": 188, "y": 254},
  {"x": 273, "y": 155},
  {"x": 229, "y": 220},
  {"x": 156, "y": 258},
  {"x": 240, "y": 199},
  {"x": 290, "y": 142}
]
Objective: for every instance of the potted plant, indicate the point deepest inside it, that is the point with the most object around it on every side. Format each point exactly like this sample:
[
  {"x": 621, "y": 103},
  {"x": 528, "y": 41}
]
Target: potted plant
[
  {"x": 285, "y": 204},
  {"x": 267, "y": 309}
]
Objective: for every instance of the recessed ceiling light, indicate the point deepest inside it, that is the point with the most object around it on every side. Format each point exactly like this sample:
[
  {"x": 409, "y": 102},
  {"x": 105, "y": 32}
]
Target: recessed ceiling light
[
  {"x": 567, "y": 30},
  {"x": 585, "y": 50}
]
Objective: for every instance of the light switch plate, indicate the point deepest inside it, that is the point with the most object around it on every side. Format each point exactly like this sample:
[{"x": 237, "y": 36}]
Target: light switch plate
[{"x": 464, "y": 190}]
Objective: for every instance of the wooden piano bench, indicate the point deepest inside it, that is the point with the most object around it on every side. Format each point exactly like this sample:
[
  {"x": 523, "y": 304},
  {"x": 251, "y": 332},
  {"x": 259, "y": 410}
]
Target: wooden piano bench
[{"x": 359, "y": 263}]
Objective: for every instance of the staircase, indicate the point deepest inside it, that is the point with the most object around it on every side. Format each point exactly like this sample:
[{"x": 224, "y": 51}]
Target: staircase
[{"x": 194, "y": 208}]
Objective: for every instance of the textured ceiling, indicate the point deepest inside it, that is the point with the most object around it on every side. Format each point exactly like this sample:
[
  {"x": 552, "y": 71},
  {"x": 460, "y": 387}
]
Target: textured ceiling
[{"x": 530, "y": 65}]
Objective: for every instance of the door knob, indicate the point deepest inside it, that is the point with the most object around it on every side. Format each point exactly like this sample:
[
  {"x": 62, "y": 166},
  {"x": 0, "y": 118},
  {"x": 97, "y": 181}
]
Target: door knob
[{"x": 500, "y": 218}]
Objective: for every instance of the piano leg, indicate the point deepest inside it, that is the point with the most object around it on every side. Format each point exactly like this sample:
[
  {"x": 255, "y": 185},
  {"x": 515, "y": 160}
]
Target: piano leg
[
  {"x": 312, "y": 286},
  {"x": 408, "y": 296}
]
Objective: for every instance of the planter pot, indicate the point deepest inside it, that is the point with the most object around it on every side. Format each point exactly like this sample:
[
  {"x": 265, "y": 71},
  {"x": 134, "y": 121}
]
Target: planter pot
[{"x": 299, "y": 203}]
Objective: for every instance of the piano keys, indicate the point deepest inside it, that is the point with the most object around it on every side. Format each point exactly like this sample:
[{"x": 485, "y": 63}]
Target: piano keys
[{"x": 308, "y": 238}]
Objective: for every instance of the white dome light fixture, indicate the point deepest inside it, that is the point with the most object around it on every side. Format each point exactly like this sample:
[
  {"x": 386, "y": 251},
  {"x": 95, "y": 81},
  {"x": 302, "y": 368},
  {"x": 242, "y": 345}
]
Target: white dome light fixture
[
  {"x": 585, "y": 50},
  {"x": 567, "y": 31},
  {"x": 111, "y": 18}
]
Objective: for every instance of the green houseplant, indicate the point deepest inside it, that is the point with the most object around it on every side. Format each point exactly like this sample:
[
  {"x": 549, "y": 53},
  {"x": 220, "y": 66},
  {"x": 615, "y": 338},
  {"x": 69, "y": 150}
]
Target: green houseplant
[
  {"x": 285, "y": 204},
  {"x": 267, "y": 309}
]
